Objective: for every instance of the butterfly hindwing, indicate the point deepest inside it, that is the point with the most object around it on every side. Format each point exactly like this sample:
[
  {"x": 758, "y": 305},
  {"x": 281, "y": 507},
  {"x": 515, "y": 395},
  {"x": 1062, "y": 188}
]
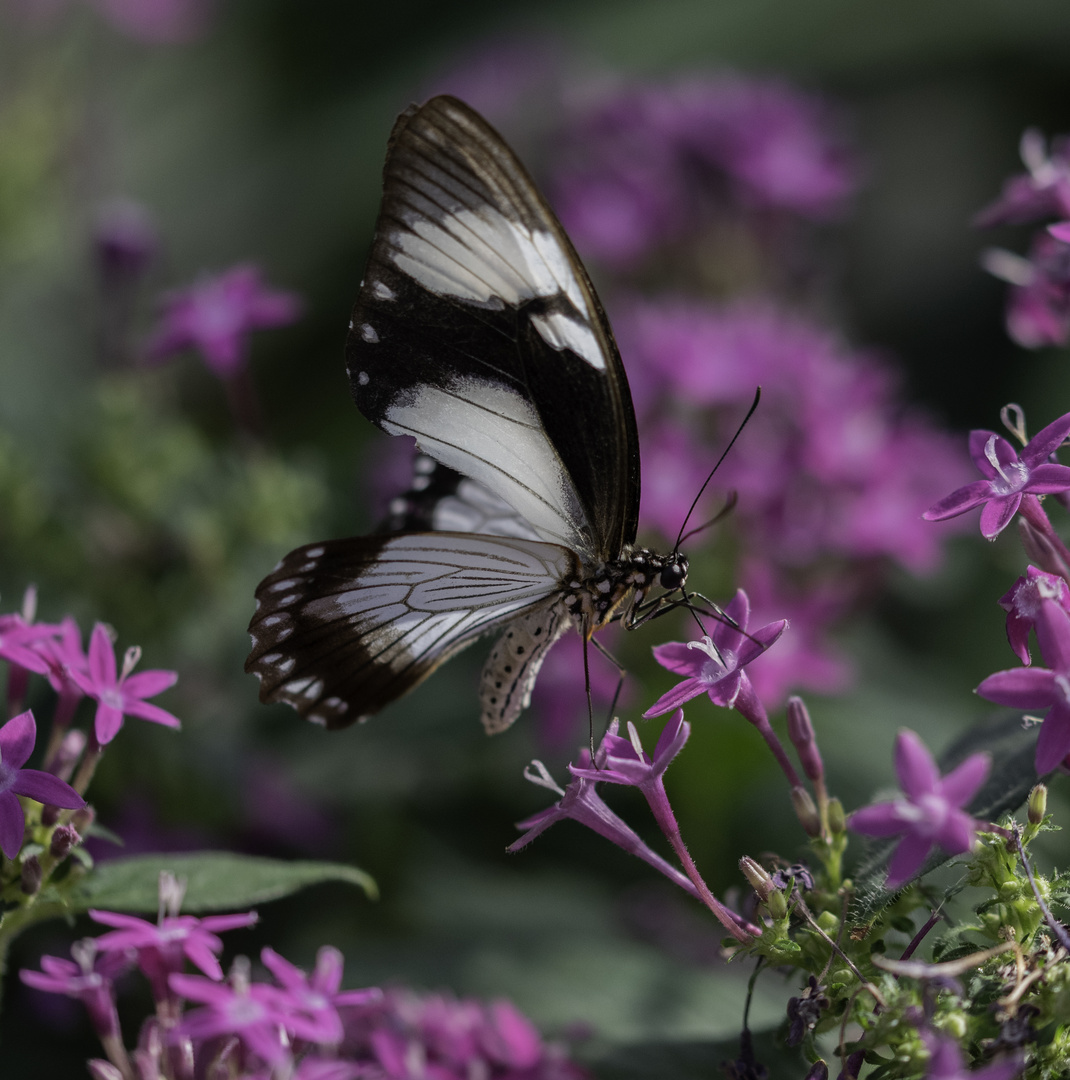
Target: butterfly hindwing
[
  {"x": 346, "y": 626},
  {"x": 477, "y": 331}
]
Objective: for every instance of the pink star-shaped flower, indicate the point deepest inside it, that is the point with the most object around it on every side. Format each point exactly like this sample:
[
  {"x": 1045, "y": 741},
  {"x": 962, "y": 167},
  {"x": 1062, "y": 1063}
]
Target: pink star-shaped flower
[
  {"x": 124, "y": 694},
  {"x": 1008, "y": 476}
]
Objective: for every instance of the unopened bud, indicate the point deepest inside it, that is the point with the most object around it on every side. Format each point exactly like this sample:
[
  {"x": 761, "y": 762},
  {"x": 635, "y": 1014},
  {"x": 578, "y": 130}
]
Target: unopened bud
[
  {"x": 50, "y": 815},
  {"x": 82, "y": 819},
  {"x": 63, "y": 840},
  {"x": 756, "y": 874},
  {"x": 31, "y": 875},
  {"x": 1038, "y": 804},
  {"x": 66, "y": 757},
  {"x": 837, "y": 818},
  {"x": 805, "y": 811},
  {"x": 801, "y": 733},
  {"x": 818, "y": 1071}
]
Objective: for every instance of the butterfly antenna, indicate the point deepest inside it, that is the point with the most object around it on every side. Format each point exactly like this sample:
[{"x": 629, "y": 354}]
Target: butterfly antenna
[
  {"x": 729, "y": 506},
  {"x": 705, "y": 483}
]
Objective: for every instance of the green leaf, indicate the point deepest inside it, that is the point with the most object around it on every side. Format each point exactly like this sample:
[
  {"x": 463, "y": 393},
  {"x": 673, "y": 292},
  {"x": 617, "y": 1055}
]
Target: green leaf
[
  {"x": 1012, "y": 749},
  {"x": 215, "y": 881}
]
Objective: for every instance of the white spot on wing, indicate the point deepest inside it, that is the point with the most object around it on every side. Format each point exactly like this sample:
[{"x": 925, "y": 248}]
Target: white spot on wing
[
  {"x": 362, "y": 378},
  {"x": 382, "y": 291},
  {"x": 492, "y": 434},
  {"x": 561, "y": 331},
  {"x": 367, "y": 332},
  {"x": 314, "y": 552}
]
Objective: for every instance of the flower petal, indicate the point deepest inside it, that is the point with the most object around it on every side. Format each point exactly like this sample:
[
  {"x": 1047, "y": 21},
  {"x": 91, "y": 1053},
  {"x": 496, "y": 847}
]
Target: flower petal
[
  {"x": 1048, "y": 479},
  {"x": 914, "y": 765},
  {"x": 674, "y": 698},
  {"x": 1046, "y": 441},
  {"x": 145, "y": 710},
  {"x": 1020, "y": 688},
  {"x": 880, "y": 819},
  {"x": 107, "y": 723},
  {"x": 102, "y": 668},
  {"x": 12, "y": 824},
  {"x": 998, "y": 513},
  {"x": 1053, "y": 743},
  {"x": 17, "y": 738},
  {"x": 959, "y": 501},
  {"x": 907, "y": 860},
  {"x": 146, "y": 684},
  {"x": 961, "y": 784},
  {"x": 46, "y": 788},
  {"x": 676, "y": 657}
]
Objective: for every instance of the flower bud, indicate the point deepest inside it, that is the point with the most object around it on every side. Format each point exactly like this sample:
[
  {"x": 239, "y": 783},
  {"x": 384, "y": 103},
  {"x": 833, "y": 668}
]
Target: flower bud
[
  {"x": 67, "y": 755},
  {"x": 759, "y": 879},
  {"x": 805, "y": 811},
  {"x": 818, "y": 1071},
  {"x": 82, "y": 819},
  {"x": 837, "y": 819},
  {"x": 63, "y": 840},
  {"x": 801, "y": 733},
  {"x": 1038, "y": 804},
  {"x": 31, "y": 875}
]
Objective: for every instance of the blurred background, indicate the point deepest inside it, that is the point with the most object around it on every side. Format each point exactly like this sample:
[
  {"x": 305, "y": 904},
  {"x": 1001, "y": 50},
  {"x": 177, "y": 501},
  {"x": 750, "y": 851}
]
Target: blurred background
[{"x": 763, "y": 192}]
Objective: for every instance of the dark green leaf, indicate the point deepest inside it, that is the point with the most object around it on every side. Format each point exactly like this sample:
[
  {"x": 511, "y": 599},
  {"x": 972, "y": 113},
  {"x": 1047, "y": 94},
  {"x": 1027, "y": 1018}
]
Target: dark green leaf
[
  {"x": 694, "y": 1060},
  {"x": 215, "y": 881}
]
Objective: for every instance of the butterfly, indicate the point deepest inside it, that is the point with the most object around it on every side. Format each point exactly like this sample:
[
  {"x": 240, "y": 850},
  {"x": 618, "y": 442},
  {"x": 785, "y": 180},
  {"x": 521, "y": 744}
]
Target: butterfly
[{"x": 477, "y": 331}]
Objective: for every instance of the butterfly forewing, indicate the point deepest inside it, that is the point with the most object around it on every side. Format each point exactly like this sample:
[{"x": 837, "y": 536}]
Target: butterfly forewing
[
  {"x": 477, "y": 330},
  {"x": 344, "y": 627}
]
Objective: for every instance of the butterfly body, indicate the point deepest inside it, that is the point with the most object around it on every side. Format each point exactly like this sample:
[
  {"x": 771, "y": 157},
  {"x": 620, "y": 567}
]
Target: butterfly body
[{"x": 476, "y": 331}]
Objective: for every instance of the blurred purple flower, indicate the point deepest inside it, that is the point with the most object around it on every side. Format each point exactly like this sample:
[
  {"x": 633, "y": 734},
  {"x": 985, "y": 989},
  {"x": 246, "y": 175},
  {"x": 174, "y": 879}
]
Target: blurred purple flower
[
  {"x": 89, "y": 978},
  {"x": 1026, "y": 601},
  {"x": 646, "y": 162},
  {"x": 216, "y": 315},
  {"x": 124, "y": 240},
  {"x": 946, "y": 1062},
  {"x": 1041, "y": 688},
  {"x": 163, "y": 947},
  {"x": 150, "y": 21},
  {"x": 930, "y": 814},
  {"x": 1042, "y": 192},
  {"x": 1038, "y": 302},
  {"x": 715, "y": 665},
  {"x": 317, "y": 997},
  {"x": 121, "y": 694},
  {"x": 17, "y": 738},
  {"x": 804, "y": 659},
  {"x": 1009, "y": 474}
]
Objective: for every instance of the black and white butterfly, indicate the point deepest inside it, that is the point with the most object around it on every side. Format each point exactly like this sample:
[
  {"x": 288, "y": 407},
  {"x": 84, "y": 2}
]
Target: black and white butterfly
[{"x": 477, "y": 331}]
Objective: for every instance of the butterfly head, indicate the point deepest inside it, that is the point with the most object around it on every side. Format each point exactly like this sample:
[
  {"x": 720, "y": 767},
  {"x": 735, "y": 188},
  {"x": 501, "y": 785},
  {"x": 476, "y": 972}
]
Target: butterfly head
[{"x": 674, "y": 572}]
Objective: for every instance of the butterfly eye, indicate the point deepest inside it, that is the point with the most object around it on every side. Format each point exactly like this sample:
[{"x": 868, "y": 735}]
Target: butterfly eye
[{"x": 674, "y": 575}]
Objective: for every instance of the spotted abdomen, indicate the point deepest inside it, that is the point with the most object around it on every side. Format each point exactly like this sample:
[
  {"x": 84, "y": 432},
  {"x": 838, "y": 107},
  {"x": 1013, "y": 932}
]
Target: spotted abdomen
[{"x": 514, "y": 662}]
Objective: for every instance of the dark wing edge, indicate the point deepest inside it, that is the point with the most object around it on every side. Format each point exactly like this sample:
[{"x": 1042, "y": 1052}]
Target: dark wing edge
[
  {"x": 445, "y": 160},
  {"x": 344, "y": 627}
]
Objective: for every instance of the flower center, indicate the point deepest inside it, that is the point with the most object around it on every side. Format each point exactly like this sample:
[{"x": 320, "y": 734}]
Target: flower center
[
  {"x": 1012, "y": 477},
  {"x": 112, "y": 697}
]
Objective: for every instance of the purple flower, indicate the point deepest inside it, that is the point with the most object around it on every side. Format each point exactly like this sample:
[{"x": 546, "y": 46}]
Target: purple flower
[
  {"x": 156, "y": 21},
  {"x": 216, "y": 315},
  {"x": 1043, "y": 191},
  {"x": 89, "y": 978},
  {"x": 163, "y": 947},
  {"x": 623, "y": 761},
  {"x": 317, "y": 996},
  {"x": 1008, "y": 476},
  {"x": 1038, "y": 302},
  {"x": 19, "y": 640},
  {"x": 581, "y": 802},
  {"x": 648, "y": 163},
  {"x": 118, "y": 695},
  {"x": 714, "y": 665},
  {"x": 1026, "y": 604},
  {"x": 1039, "y": 688},
  {"x": 930, "y": 814},
  {"x": 17, "y": 738},
  {"x": 946, "y": 1063},
  {"x": 254, "y": 1013}
]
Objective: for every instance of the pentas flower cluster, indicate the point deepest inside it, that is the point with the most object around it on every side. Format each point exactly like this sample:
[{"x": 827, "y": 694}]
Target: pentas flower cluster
[
  {"x": 36, "y": 839},
  {"x": 1038, "y": 301},
  {"x": 299, "y": 1025},
  {"x": 647, "y": 164},
  {"x": 836, "y": 473}
]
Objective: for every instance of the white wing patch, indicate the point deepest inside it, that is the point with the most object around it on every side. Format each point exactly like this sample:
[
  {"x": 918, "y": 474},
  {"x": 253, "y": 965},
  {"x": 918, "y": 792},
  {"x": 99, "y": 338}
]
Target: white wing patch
[{"x": 492, "y": 434}]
